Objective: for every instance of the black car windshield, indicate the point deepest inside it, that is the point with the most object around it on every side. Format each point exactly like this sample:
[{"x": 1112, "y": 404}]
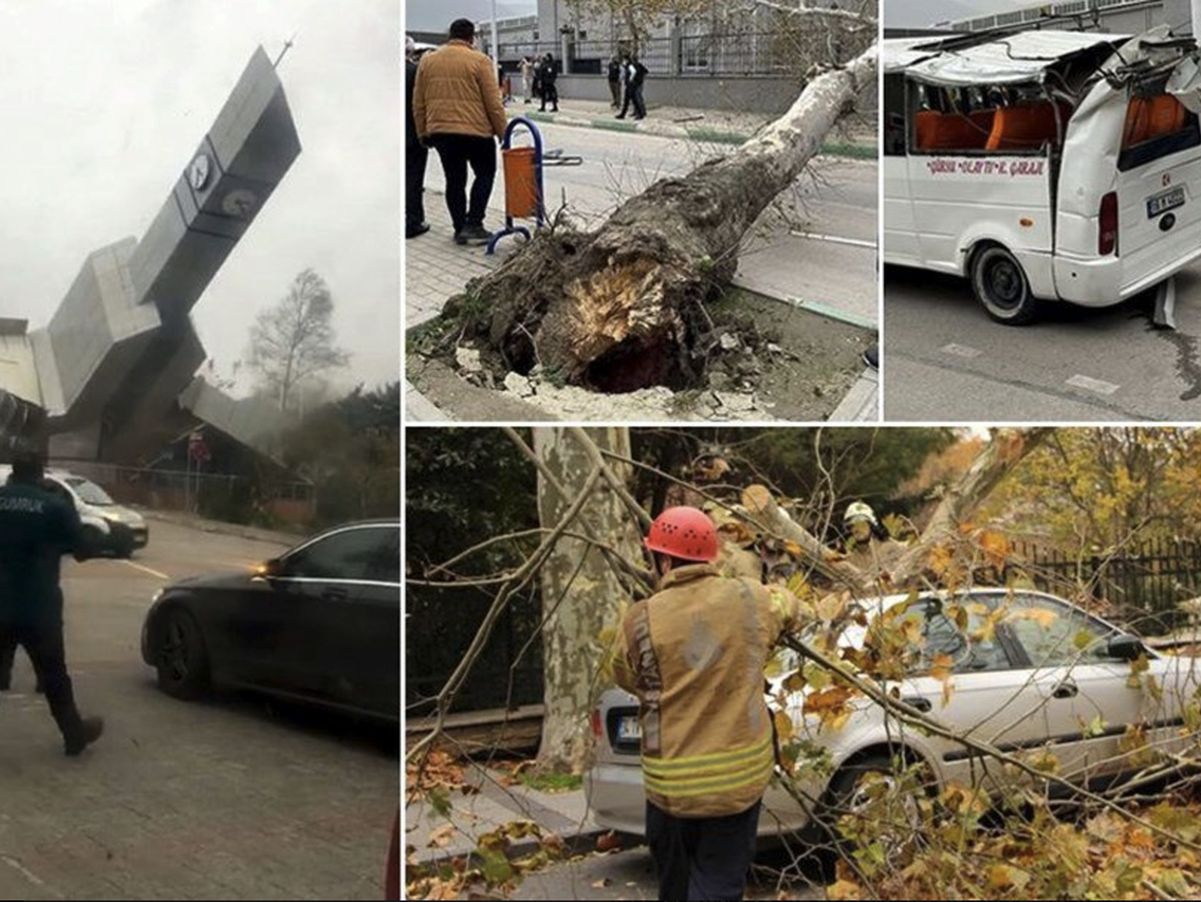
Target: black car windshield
[{"x": 88, "y": 491}]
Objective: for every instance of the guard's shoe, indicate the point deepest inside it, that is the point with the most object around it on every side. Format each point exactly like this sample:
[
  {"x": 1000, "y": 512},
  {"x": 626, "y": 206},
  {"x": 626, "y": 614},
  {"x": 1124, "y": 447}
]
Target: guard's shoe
[
  {"x": 417, "y": 230},
  {"x": 474, "y": 234},
  {"x": 90, "y": 730},
  {"x": 872, "y": 357}
]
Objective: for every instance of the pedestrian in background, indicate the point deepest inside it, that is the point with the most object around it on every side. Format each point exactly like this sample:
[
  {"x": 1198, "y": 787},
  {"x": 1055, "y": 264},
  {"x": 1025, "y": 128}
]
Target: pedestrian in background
[
  {"x": 615, "y": 81},
  {"x": 550, "y": 93},
  {"x": 36, "y": 529},
  {"x": 457, "y": 109},
  {"x": 637, "y": 80},
  {"x": 538, "y": 77},
  {"x": 416, "y": 153},
  {"x": 527, "y": 77}
]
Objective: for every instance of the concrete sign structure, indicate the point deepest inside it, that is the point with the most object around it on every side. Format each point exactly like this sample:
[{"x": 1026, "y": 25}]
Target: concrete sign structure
[{"x": 111, "y": 365}]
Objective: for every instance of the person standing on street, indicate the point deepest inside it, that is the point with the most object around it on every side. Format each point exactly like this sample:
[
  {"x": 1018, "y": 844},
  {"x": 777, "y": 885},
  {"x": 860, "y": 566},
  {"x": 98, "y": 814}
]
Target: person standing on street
[
  {"x": 615, "y": 81},
  {"x": 694, "y": 654},
  {"x": 457, "y": 109},
  {"x": 527, "y": 77},
  {"x": 550, "y": 93},
  {"x": 36, "y": 530},
  {"x": 416, "y": 153},
  {"x": 637, "y": 79},
  {"x": 538, "y": 77}
]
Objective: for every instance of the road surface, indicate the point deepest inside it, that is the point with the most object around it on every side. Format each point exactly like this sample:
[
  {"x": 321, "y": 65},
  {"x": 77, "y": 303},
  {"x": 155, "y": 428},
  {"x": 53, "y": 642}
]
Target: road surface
[
  {"x": 945, "y": 360},
  {"x": 231, "y": 797}
]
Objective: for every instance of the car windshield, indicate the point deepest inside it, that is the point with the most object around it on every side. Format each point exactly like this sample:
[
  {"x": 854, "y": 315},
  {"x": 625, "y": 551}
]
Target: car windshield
[{"x": 88, "y": 491}]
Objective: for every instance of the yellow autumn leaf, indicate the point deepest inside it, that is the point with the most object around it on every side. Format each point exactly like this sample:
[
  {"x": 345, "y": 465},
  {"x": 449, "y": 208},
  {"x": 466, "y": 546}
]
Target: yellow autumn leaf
[
  {"x": 784, "y": 727},
  {"x": 843, "y": 890}
]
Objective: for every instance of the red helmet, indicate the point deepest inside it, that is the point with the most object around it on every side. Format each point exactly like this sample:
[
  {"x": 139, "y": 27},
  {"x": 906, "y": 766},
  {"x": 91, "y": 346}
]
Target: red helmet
[{"x": 684, "y": 532}]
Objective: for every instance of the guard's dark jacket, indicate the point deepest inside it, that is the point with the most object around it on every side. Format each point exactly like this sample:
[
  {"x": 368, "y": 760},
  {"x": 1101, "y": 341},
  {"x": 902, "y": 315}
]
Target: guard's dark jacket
[{"x": 36, "y": 529}]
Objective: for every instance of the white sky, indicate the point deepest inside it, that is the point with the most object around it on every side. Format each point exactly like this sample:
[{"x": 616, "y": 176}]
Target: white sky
[
  {"x": 104, "y": 103},
  {"x": 899, "y": 13},
  {"x": 436, "y": 15}
]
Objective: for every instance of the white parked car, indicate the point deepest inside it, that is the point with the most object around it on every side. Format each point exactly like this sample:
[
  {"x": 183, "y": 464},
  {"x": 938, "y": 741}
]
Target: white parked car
[
  {"x": 1043, "y": 165},
  {"x": 1052, "y": 676}
]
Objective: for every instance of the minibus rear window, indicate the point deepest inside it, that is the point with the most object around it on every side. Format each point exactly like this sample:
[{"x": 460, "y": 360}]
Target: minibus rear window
[{"x": 1156, "y": 126}]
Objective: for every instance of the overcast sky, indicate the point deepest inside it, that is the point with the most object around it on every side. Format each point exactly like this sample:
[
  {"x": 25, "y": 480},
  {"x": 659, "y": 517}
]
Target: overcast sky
[
  {"x": 105, "y": 102},
  {"x": 436, "y": 15},
  {"x": 926, "y": 12}
]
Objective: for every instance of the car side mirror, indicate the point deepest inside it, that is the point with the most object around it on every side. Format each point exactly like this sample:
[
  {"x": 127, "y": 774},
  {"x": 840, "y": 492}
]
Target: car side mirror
[{"x": 1125, "y": 648}]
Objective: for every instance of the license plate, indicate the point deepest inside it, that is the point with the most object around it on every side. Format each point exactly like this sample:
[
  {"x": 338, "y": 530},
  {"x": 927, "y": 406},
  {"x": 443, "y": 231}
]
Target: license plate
[
  {"x": 1165, "y": 200},
  {"x": 629, "y": 730}
]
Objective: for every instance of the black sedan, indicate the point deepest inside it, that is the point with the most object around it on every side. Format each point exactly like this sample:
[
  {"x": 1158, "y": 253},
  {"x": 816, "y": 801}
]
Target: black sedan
[{"x": 320, "y": 624}]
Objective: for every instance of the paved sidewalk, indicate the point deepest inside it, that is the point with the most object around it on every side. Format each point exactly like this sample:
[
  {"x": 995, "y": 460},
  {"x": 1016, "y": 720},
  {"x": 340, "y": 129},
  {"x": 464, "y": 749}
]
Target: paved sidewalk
[
  {"x": 238, "y": 530},
  {"x": 565, "y": 814}
]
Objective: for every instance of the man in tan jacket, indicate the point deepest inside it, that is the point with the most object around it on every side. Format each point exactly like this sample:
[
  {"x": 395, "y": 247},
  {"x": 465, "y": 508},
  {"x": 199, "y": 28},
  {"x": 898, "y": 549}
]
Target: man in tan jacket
[
  {"x": 694, "y": 654},
  {"x": 457, "y": 109}
]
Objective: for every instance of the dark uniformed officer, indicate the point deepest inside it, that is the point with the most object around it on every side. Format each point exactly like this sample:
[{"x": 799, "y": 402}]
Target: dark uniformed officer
[{"x": 36, "y": 530}]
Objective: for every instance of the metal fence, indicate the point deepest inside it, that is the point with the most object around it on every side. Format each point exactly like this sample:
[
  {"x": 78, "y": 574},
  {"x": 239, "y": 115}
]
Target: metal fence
[
  {"x": 1144, "y": 583},
  {"x": 215, "y": 495},
  {"x": 781, "y": 52}
]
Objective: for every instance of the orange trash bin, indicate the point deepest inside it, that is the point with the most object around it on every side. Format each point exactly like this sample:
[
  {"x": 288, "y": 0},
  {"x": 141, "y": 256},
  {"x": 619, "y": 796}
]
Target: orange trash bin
[{"x": 521, "y": 183}]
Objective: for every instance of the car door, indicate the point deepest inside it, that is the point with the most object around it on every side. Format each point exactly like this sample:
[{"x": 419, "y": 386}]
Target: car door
[
  {"x": 363, "y": 634},
  {"x": 282, "y": 624},
  {"x": 1089, "y": 699},
  {"x": 988, "y": 697}
]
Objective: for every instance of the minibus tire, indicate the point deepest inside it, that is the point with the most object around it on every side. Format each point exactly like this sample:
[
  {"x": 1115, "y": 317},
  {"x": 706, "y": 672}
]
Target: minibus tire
[{"x": 1001, "y": 286}]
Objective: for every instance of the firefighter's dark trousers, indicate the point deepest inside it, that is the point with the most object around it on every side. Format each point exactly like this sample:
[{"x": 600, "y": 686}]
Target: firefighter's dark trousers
[
  {"x": 705, "y": 858},
  {"x": 43, "y": 642}
]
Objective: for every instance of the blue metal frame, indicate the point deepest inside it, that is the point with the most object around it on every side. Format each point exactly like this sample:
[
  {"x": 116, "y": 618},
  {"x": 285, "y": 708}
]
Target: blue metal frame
[{"x": 540, "y": 211}]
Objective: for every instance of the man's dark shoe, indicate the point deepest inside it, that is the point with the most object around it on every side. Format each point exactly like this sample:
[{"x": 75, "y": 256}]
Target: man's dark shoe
[
  {"x": 872, "y": 357},
  {"x": 474, "y": 234},
  {"x": 620, "y": 116},
  {"x": 417, "y": 230},
  {"x": 459, "y": 238},
  {"x": 90, "y": 730}
]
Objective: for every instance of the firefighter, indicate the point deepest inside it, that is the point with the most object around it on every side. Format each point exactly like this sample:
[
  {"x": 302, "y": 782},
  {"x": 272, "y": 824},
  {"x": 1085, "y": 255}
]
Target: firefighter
[
  {"x": 36, "y": 530},
  {"x": 694, "y": 655},
  {"x": 868, "y": 545}
]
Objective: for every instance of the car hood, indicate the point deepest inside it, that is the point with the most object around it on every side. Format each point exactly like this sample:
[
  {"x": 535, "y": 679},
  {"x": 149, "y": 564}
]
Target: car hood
[{"x": 212, "y": 581}]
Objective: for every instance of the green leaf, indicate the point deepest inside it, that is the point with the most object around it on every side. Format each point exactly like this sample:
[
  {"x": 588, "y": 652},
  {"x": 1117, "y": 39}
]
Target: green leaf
[
  {"x": 494, "y": 866},
  {"x": 440, "y": 801}
]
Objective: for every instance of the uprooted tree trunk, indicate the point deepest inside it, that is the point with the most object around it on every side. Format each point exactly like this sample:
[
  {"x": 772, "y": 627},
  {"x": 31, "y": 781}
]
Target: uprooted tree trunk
[
  {"x": 1008, "y": 448},
  {"x": 616, "y": 309},
  {"x": 580, "y": 589}
]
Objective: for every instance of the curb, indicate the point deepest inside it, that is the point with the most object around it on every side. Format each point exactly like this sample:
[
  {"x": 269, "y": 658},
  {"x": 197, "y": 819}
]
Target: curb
[
  {"x": 699, "y": 134},
  {"x": 235, "y": 530},
  {"x": 574, "y": 845}
]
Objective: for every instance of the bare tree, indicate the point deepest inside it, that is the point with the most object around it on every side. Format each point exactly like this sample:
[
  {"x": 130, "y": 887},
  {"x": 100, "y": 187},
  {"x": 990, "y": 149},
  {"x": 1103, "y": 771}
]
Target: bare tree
[{"x": 294, "y": 340}]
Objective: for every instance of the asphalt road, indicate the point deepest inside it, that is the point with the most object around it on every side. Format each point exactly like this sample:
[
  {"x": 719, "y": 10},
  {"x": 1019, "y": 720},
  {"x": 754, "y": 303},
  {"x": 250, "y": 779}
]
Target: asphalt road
[
  {"x": 833, "y": 261},
  {"x": 944, "y": 359},
  {"x": 231, "y": 797}
]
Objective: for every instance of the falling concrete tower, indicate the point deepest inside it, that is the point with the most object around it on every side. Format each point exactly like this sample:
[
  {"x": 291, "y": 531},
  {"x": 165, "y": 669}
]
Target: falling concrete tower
[{"x": 115, "y": 357}]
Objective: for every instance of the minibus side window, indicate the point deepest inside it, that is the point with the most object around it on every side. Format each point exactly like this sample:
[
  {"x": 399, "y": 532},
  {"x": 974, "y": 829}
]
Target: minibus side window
[
  {"x": 894, "y": 115},
  {"x": 1156, "y": 125},
  {"x": 980, "y": 120}
]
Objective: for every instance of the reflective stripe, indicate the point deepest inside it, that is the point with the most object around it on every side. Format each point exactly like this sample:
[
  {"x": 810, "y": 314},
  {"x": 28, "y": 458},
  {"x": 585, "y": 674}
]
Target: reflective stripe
[
  {"x": 700, "y": 762},
  {"x": 677, "y": 789}
]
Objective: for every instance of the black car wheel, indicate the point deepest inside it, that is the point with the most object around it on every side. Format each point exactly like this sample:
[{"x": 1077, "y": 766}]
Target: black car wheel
[
  {"x": 1000, "y": 284},
  {"x": 181, "y": 660}
]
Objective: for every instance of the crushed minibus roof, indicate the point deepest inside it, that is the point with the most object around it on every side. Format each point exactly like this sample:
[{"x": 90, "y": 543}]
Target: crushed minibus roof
[{"x": 1005, "y": 59}]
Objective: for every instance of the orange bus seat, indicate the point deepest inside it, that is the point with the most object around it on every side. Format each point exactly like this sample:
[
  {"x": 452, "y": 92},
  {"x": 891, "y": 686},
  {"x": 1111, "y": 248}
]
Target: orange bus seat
[
  {"x": 1167, "y": 116},
  {"x": 1138, "y": 122},
  {"x": 952, "y": 131},
  {"x": 1025, "y": 127}
]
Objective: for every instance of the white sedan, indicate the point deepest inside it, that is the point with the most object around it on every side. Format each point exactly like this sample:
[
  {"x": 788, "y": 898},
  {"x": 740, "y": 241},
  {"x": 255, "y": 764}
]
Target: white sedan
[{"x": 1041, "y": 674}]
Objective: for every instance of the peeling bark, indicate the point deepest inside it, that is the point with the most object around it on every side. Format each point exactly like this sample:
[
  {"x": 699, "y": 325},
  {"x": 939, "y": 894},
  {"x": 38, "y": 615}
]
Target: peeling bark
[
  {"x": 580, "y": 592},
  {"x": 615, "y": 309}
]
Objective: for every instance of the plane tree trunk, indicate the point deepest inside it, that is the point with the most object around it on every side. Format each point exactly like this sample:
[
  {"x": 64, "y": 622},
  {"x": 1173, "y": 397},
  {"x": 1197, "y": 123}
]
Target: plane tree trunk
[{"x": 617, "y": 309}]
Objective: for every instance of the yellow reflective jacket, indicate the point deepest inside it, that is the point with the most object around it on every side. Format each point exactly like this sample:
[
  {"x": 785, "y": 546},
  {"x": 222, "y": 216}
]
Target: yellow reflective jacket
[{"x": 694, "y": 655}]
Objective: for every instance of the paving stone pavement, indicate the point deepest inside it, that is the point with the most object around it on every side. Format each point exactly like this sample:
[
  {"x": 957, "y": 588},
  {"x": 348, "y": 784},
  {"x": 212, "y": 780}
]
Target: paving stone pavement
[{"x": 231, "y": 797}]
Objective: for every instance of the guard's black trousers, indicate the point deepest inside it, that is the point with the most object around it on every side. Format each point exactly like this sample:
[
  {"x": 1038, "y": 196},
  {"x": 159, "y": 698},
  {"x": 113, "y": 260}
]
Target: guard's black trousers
[
  {"x": 416, "y": 156},
  {"x": 44, "y": 645},
  {"x": 704, "y": 858}
]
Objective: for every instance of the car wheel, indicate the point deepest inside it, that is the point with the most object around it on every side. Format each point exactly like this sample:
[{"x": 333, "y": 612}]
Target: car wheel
[
  {"x": 1001, "y": 286},
  {"x": 866, "y": 790},
  {"x": 181, "y": 659}
]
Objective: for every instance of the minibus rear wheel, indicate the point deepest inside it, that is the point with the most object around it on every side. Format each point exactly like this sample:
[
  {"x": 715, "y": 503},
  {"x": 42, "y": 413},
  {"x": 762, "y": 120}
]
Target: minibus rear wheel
[{"x": 1000, "y": 284}]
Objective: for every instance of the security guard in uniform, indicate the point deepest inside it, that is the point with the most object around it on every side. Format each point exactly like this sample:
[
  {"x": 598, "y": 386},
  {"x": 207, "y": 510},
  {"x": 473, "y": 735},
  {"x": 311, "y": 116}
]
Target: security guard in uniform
[
  {"x": 36, "y": 530},
  {"x": 694, "y": 654}
]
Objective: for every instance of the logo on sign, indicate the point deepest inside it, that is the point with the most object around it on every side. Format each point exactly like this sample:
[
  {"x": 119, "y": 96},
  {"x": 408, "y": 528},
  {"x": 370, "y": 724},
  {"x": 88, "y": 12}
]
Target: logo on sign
[{"x": 1167, "y": 179}]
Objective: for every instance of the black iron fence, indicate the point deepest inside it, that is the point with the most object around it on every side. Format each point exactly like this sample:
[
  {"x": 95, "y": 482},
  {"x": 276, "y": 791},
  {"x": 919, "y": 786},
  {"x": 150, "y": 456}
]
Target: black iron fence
[
  {"x": 1143, "y": 583},
  {"x": 782, "y": 52}
]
